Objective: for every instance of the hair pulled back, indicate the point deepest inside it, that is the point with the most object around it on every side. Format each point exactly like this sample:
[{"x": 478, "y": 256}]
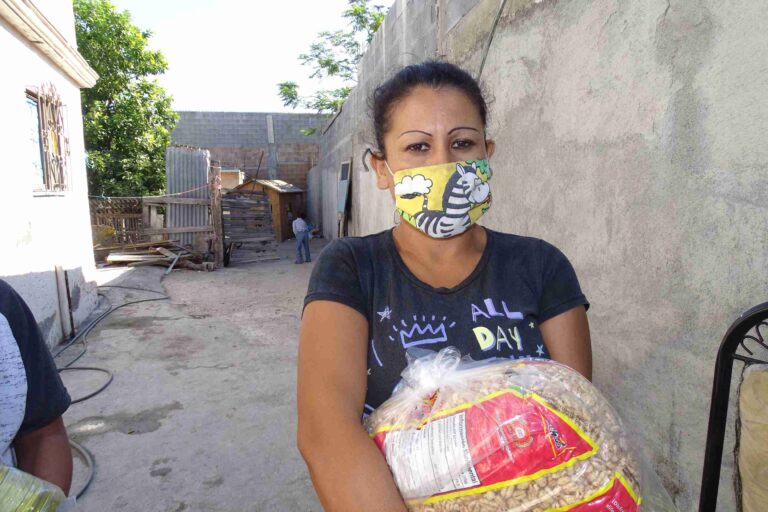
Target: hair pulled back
[{"x": 430, "y": 73}]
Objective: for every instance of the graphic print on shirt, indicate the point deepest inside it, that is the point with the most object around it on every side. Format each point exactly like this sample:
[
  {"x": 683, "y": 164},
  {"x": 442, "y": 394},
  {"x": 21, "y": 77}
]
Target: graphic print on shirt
[
  {"x": 422, "y": 332},
  {"x": 385, "y": 314},
  {"x": 375, "y": 354},
  {"x": 495, "y": 332},
  {"x": 463, "y": 191}
]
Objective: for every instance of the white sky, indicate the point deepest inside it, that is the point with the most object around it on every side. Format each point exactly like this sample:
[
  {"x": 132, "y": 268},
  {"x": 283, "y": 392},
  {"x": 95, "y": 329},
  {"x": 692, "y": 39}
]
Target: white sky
[{"x": 229, "y": 55}]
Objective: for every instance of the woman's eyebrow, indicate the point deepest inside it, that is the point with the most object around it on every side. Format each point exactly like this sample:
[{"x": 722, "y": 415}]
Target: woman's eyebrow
[
  {"x": 464, "y": 128},
  {"x": 415, "y": 131}
]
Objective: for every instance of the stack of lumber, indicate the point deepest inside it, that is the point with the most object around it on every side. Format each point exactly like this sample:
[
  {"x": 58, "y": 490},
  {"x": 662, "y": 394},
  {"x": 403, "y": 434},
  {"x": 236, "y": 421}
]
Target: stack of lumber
[
  {"x": 247, "y": 224},
  {"x": 165, "y": 254}
]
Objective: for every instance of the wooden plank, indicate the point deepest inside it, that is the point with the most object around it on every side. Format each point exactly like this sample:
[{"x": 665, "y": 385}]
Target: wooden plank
[
  {"x": 121, "y": 258},
  {"x": 255, "y": 239},
  {"x": 216, "y": 214},
  {"x": 247, "y": 220},
  {"x": 137, "y": 245},
  {"x": 243, "y": 202},
  {"x": 227, "y": 208},
  {"x": 175, "y": 200},
  {"x": 175, "y": 231},
  {"x": 160, "y": 263},
  {"x": 255, "y": 260},
  {"x": 239, "y": 208},
  {"x": 246, "y": 213},
  {"x": 250, "y": 229},
  {"x": 235, "y": 218}
]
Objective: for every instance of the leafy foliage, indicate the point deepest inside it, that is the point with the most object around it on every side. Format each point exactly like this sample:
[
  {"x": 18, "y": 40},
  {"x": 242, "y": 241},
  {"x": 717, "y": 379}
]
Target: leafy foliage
[
  {"x": 336, "y": 54},
  {"x": 127, "y": 115}
]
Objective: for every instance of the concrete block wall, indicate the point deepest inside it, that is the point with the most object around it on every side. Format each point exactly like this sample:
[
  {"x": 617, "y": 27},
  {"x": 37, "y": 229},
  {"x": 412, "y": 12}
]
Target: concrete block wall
[
  {"x": 632, "y": 136},
  {"x": 236, "y": 139}
]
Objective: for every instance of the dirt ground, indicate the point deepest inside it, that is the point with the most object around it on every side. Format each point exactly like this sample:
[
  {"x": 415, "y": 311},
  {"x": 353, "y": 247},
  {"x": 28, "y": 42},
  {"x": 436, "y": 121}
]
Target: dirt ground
[{"x": 201, "y": 412}]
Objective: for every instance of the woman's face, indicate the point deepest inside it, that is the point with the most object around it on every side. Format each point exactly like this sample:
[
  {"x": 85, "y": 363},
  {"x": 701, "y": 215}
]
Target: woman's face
[{"x": 431, "y": 126}]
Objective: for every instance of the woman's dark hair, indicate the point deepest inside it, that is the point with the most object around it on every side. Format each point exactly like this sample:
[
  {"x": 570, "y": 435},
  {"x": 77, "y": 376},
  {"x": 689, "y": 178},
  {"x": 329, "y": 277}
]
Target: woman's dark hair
[{"x": 430, "y": 73}]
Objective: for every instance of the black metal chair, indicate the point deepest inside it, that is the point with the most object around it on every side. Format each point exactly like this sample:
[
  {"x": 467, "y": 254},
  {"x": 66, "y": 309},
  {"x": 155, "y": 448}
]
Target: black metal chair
[{"x": 748, "y": 333}]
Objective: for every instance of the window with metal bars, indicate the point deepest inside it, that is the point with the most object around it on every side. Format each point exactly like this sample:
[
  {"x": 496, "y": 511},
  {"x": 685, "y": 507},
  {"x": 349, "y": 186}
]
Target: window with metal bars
[{"x": 48, "y": 139}]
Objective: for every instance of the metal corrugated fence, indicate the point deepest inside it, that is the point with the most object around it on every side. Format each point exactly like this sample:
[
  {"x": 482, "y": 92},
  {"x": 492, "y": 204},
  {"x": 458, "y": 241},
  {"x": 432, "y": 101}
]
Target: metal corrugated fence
[{"x": 186, "y": 171}]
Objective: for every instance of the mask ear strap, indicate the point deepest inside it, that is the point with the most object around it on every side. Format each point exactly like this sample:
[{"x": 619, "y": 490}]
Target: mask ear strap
[{"x": 369, "y": 153}]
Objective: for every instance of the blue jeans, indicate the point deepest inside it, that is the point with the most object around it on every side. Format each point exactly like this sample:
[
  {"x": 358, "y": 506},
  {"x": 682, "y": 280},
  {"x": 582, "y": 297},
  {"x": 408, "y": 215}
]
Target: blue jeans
[{"x": 302, "y": 241}]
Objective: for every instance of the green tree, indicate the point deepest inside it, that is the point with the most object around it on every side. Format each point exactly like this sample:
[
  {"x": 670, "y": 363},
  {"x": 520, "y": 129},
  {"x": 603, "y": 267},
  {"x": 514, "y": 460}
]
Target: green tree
[
  {"x": 127, "y": 115},
  {"x": 336, "y": 54}
]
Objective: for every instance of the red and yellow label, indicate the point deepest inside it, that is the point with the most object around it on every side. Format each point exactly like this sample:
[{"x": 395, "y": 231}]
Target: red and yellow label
[
  {"x": 617, "y": 496},
  {"x": 509, "y": 438}
]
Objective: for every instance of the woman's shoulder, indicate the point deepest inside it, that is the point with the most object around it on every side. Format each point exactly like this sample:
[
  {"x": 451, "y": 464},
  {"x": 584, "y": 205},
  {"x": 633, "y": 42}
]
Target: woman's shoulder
[
  {"x": 356, "y": 250},
  {"x": 356, "y": 246},
  {"x": 507, "y": 240},
  {"x": 528, "y": 246}
]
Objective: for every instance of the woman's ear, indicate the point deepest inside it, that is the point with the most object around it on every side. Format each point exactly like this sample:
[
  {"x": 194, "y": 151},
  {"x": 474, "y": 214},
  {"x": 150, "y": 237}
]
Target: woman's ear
[
  {"x": 378, "y": 162},
  {"x": 490, "y": 147}
]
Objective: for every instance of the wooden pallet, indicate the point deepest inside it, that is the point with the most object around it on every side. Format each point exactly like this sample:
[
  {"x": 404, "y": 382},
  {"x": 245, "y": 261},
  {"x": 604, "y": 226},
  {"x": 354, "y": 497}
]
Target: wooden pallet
[{"x": 247, "y": 225}]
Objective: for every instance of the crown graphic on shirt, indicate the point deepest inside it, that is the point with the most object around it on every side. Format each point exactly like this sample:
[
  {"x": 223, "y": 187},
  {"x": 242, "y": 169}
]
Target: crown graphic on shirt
[{"x": 423, "y": 333}]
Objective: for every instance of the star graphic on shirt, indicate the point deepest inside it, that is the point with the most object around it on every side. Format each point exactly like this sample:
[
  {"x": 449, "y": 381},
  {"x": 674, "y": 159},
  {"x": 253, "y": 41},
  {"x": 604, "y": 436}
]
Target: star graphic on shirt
[
  {"x": 369, "y": 372},
  {"x": 540, "y": 350},
  {"x": 531, "y": 325},
  {"x": 384, "y": 314}
]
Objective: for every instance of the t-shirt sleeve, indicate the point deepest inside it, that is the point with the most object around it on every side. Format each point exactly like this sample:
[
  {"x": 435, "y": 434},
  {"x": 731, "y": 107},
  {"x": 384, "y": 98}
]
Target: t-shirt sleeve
[
  {"x": 336, "y": 278},
  {"x": 47, "y": 398},
  {"x": 560, "y": 290}
]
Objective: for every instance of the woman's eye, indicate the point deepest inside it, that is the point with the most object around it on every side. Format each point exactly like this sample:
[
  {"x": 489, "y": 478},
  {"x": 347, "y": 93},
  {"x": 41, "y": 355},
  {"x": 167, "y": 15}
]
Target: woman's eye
[
  {"x": 462, "y": 144},
  {"x": 418, "y": 147}
]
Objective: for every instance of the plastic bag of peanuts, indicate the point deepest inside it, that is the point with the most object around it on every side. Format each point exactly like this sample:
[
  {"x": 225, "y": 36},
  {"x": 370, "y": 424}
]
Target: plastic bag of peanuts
[{"x": 508, "y": 435}]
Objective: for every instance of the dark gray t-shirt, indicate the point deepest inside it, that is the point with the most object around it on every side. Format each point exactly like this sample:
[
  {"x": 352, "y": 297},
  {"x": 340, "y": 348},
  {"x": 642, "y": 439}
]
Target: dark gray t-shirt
[{"x": 519, "y": 283}]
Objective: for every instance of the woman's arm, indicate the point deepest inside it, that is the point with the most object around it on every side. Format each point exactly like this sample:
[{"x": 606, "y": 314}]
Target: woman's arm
[
  {"x": 567, "y": 339},
  {"x": 348, "y": 470},
  {"x": 45, "y": 453}
]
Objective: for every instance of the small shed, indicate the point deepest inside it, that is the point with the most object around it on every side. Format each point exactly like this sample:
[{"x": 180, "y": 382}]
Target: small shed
[
  {"x": 231, "y": 178},
  {"x": 285, "y": 199}
]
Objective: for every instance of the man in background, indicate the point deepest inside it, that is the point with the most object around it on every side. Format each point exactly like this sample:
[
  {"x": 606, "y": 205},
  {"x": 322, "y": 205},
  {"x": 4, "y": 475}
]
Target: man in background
[
  {"x": 32, "y": 397},
  {"x": 301, "y": 230}
]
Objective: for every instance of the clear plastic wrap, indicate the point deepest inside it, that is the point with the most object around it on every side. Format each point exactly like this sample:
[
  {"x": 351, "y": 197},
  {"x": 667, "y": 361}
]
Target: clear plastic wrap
[
  {"x": 508, "y": 435},
  {"x": 21, "y": 491}
]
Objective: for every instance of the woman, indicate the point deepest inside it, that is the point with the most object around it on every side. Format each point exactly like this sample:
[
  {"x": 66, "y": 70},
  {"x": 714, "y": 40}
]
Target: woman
[{"x": 437, "y": 279}]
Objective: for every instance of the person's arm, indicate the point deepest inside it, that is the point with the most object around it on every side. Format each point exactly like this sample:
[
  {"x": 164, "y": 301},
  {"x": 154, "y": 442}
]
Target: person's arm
[
  {"x": 45, "y": 453},
  {"x": 567, "y": 339},
  {"x": 348, "y": 470}
]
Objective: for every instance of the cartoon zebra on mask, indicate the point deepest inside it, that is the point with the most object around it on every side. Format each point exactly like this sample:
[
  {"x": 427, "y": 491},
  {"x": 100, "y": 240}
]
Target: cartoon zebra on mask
[{"x": 463, "y": 191}]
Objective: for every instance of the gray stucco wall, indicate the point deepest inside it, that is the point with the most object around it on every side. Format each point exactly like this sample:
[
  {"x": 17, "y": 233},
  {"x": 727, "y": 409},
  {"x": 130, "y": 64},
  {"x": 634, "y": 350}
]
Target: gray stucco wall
[{"x": 632, "y": 136}]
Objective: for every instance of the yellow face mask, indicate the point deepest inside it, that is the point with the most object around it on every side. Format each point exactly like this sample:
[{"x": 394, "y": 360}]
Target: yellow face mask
[{"x": 443, "y": 200}]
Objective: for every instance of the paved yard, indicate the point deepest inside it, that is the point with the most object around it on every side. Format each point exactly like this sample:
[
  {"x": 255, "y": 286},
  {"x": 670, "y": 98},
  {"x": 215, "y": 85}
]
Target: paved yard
[{"x": 201, "y": 413}]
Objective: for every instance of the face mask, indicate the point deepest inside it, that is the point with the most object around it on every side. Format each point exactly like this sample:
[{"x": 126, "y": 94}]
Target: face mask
[{"x": 443, "y": 200}]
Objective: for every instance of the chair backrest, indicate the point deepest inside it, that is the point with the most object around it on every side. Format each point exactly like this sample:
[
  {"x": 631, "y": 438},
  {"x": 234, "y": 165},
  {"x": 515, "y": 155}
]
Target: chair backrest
[{"x": 746, "y": 340}]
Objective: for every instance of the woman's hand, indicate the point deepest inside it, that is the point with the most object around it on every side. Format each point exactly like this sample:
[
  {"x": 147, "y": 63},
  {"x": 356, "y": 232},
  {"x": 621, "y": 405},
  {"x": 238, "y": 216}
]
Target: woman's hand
[
  {"x": 348, "y": 470},
  {"x": 567, "y": 339}
]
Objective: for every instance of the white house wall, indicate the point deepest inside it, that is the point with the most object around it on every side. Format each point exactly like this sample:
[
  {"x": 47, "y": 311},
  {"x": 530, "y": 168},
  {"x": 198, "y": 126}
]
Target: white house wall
[{"x": 40, "y": 232}]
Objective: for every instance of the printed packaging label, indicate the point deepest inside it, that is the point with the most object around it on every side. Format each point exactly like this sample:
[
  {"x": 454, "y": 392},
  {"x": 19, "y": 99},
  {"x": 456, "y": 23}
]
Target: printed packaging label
[
  {"x": 503, "y": 439},
  {"x": 618, "y": 496}
]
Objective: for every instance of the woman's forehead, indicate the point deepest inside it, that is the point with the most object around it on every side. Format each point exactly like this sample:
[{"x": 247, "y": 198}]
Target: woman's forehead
[{"x": 434, "y": 109}]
